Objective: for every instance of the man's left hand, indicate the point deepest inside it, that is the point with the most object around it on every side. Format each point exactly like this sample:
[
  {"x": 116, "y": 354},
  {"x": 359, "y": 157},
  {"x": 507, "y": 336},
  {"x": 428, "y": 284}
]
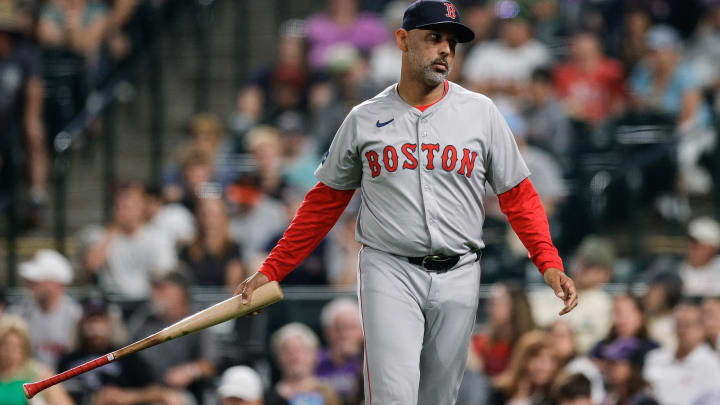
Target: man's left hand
[{"x": 564, "y": 288}]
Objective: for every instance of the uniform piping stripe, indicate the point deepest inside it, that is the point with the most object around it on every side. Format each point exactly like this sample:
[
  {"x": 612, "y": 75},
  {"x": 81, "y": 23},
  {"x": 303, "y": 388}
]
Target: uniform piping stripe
[{"x": 362, "y": 318}]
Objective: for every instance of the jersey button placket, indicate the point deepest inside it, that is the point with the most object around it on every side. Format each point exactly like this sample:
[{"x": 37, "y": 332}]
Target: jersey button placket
[{"x": 424, "y": 176}]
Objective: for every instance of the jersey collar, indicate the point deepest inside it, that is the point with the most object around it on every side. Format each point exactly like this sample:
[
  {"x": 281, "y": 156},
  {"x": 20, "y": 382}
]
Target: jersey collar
[{"x": 427, "y": 109}]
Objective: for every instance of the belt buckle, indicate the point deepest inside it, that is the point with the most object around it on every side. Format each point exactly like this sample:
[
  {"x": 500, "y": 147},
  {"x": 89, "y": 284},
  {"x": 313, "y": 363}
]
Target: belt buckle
[{"x": 430, "y": 257}]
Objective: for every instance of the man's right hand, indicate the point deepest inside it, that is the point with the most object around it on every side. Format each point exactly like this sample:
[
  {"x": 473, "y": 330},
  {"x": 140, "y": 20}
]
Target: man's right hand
[{"x": 246, "y": 288}]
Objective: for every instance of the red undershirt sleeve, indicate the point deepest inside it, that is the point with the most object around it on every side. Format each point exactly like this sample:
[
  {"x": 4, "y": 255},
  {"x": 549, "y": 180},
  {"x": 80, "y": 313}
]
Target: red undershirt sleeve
[
  {"x": 317, "y": 214},
  {"x": 523, "y": 209}
]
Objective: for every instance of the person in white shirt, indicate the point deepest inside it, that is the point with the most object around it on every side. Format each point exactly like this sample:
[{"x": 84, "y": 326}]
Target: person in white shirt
[
  {"x": 680, "y": 377},
  {"x": 505, "y": 65},
  {"x": 665, "y": 292},
  {"x": 701, "y": 269},
  {"x": 127, "y": 253},
  {"x": 51, "y": 315},
  {"x": 591, "y": 268},
  {"x": 711, "y": 320}
]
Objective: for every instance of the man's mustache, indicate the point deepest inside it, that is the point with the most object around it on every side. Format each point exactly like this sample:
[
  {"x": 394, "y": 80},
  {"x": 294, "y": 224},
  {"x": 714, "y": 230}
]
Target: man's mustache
[{"x": 440, "y": 61}]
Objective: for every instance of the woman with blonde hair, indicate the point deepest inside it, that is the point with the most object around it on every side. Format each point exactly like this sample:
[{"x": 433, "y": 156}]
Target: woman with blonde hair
[
  {"x": 530, "y": 374},
  {"x": 18, "y": 367}
]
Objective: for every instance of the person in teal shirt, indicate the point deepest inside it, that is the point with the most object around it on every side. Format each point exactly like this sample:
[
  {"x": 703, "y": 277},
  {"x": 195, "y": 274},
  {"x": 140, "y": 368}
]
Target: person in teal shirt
[{"x": 17, "y": 366}]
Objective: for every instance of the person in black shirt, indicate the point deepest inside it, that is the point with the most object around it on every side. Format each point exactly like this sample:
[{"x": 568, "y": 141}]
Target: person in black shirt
[
  {"x": 126, "y": 381},
  {"x": 213, "y": 258}
]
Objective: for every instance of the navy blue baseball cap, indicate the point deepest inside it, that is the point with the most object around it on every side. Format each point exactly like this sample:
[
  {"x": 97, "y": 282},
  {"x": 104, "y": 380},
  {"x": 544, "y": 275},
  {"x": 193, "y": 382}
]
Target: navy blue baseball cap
[{"x": 427, "y": 13}]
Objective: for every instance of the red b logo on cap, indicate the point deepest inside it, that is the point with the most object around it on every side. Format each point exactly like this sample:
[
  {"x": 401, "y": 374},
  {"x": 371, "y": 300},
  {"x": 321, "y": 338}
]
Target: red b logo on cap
[{"x": 451, "y": 11}]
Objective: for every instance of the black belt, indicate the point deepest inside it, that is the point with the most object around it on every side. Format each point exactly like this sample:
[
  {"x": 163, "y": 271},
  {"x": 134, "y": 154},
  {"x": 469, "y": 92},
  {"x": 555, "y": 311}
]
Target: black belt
[{"x": 438, "y": 263}]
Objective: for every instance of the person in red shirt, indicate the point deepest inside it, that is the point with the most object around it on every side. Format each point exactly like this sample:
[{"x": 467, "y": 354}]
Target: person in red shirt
[
  {"x": 509, "y": 317},
  {"x": 591, "y": 86}
]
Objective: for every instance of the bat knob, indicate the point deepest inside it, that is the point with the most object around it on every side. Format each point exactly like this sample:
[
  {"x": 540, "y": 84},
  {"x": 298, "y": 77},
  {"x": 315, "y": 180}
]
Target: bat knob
[{"x": 27, "y": 389}]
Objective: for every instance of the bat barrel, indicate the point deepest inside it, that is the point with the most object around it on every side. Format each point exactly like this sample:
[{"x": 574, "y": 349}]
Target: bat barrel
[{"x": 30, "y": 389}]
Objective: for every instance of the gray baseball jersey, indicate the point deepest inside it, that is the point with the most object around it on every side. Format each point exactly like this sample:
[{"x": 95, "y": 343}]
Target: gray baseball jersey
[{"x": 422, "y": 174}]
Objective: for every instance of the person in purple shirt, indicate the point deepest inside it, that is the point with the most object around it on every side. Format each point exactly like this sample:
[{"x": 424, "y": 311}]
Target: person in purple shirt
[
  {"x": 342, "y": 23},
  {"x": 341, "y": 362}
]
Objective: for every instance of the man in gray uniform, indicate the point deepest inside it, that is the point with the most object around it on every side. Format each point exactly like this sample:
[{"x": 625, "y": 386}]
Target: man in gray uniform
[{"x": 421, "y": 152}]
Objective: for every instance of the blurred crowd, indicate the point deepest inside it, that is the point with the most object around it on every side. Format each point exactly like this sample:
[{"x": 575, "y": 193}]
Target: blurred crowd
[
  {"x": 610, "y": 101},
  {"x": 53, "y": 54},
  {"x": 659, "y": 344}
]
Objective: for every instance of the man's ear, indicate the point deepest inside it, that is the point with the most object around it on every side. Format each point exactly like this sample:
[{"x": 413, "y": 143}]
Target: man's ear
[{"x": 401, "y": 38}]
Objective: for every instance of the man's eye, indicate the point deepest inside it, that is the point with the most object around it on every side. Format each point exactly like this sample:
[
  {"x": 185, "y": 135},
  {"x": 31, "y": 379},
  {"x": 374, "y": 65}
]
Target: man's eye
[{"x": 435, "y": 37}]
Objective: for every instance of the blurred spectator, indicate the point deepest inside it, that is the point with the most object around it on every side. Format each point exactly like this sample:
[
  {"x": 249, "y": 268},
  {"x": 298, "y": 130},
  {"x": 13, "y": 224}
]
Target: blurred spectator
[
  {"x": 195, "y": 175},
  {"x": 17, "y": 367},
  {"x": 509, "y": 318},
  {"x": 341, "y": 362},
  {"x": 591, "y": 268},
  {"x": 683, "y": 375},
  {"x": 240, "y": 385},
  {"x": 204, "y": 158},
  {"x": 207, "y": 136},
  {"x": 181, "y": 363},
  {"x": 3, "y": 302},
  {"x": 127, "y": 253},
  {"x": 631, "y": 43},
  {"x": 705, "y": 48},
  {"x": 548, "y": 24},
  {"x": 546, "y": 173},
  {"x": 71, "y": 33},
  {"x": 339, "y": 24},
  {"x": 628, "y": 324},
  {"x": 343, "y": 249},
  {"x": 299, "y": 152},
  {"x": 475, "y": 385},
  {"x": 213, "y": 258},
  {"x": 125, "y": 381},
  {"x": 480, "y": 17},
  {"x": 171, "y": 218},
  {"x": 700, "y": 271},
  {"x": 560, "y": 338},
  {"x": 295, "y": 347},
  {"x": 665, "y": 291},
  {"x": 385, "y": 59},
  {"x": 312, "y": 270},
  {"x": 505, "y": 65},
  {"x": 625, "y": 358},
  {"x": 21, "y": 100},
  {"x": 266, "y": 147},
  {"x": 254, "y": 217},
  {"x": 548, "y": 126},
  {"x": 528, "y": 378},
  {"x": 248, "y": 113},
  {"x": 589, "y": 84},
  {"x": 284, "y": 83},
  {"x": 711, "y": 320},
  {"x": 350, "y": 72},
  {"x": 573, "y": 389},
  {"x": 76, "y": 25},
  {"x": 119, "y": 41},
  {"x": 667, "y": 84},
  {"x": 51, "y": 315}
]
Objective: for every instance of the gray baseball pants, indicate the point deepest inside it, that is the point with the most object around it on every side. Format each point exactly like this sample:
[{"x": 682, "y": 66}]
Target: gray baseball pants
[{"x": 417, "y": 327}]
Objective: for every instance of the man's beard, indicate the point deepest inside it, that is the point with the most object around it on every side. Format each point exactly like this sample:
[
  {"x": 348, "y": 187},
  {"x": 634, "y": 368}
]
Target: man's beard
[{"x": 428, "y": 74}]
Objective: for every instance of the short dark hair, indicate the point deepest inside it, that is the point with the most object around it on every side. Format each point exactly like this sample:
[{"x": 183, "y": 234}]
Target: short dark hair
[
  {"x": 673, "y": 286},
  {"x": 571, "y": 387},
  {"x": 541, "y": 75}
]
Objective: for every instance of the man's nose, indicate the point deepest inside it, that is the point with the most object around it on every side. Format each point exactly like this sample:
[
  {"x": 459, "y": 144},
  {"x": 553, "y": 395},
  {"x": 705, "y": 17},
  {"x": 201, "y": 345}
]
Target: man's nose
[{"x": 445, "y": 48}]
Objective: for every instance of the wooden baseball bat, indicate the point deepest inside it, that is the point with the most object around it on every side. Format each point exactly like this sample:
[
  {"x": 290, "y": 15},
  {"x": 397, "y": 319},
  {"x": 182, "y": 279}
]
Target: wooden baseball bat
[{"x": 265, "y": 295}]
